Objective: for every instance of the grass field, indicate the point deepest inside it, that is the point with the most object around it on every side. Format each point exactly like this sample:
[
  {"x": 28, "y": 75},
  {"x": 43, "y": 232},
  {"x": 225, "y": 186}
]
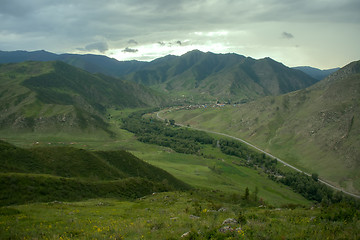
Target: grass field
[{"x": 169, "y": 216}]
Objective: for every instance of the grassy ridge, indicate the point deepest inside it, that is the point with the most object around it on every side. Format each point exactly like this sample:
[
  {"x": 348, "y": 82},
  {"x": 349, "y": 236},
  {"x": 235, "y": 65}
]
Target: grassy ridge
[
  {"x": 19, "y": 188},
  {"x": 65, "y": 173}
]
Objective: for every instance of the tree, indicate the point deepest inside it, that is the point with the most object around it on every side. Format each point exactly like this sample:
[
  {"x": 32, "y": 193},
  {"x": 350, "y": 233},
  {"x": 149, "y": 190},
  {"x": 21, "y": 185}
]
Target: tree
[
  {"x": 315, "y": 176},
  {"x": 255, "y": 194},
  {"x": 246, "y": 196},
  {"x": 172, "y": 122}
]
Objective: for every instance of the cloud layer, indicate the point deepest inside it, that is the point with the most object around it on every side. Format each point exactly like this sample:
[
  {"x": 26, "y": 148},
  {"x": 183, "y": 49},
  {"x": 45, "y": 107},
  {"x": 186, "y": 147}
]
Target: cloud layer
[{"x": 159, "y": 27}]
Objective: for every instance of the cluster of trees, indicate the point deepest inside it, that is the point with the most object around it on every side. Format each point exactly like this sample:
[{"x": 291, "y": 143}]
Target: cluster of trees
[
  {"x": 150, "y": 130},
  {"x": 312, "y": 189},
  {"x": 249, "y": 157}
]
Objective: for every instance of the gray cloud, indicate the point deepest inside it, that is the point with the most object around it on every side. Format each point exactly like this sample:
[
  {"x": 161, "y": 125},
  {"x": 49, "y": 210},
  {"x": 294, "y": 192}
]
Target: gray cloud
[
  {"x": 178, "y": 43},
  {"x": 61, "y": 26},
  {"x": 130, "y": 50},
  {"x": 287, "y": 35},
  {"x": 132, "y": 41},
  {"x": 161, "y": 43},
  {"x": 98, "y": 46}
]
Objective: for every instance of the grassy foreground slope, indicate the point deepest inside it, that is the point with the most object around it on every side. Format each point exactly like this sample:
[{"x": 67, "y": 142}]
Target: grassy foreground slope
[
  {"x": 175, "y": 215},
  {"x": 315, "y": 129}
]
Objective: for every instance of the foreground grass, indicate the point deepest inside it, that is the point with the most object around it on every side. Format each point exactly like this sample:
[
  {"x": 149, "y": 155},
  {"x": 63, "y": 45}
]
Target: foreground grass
[{"x": 169, "y": 216}]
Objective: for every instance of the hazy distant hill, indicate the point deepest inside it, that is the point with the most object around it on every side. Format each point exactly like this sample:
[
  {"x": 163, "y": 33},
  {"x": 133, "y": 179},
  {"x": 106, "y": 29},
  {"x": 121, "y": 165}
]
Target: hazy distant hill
[
  {"x": 315, "y": 72},
  {"x": 223, "y": 76},
  {"x": 316, "y": 129},
  {"x": 88, "y": 62},
  {"x": 53, "y": 96}
]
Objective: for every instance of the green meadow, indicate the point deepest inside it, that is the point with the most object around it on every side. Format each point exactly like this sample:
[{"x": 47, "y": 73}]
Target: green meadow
[
  {"x": 171, "y": 215},
  {"x": 218, "y": 183}
]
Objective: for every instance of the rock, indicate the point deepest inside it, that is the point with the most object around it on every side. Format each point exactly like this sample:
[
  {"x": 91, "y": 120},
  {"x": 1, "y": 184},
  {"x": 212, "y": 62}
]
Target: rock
[
  {"x": 185, "y": 234},
  {"x": 226, "y": 229},
  {"x": 230, "y": 221},
  {"x": 222, "y": 209},
  {"x": 193, "y": 217}
]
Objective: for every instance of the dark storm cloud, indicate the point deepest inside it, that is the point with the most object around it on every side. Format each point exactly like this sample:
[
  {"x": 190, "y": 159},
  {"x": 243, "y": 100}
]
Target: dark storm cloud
[
  {"x": 130, "y": 50},
  {"x": 287, "y": 35}
]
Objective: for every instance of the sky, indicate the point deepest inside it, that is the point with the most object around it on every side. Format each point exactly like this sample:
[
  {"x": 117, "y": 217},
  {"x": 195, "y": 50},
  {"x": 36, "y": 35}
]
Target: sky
[{"x": 319, "y": 33}]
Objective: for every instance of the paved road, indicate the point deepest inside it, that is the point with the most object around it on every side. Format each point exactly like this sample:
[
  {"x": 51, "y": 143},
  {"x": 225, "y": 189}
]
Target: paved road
[{"x": 260, "y": 150}]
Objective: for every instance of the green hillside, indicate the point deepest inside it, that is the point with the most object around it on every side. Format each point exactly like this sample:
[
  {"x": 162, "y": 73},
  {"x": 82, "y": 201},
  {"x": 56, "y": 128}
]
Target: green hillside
[
  {"x": 207, "y": 76},
  {"x": 315, "y": 129},
  {"x": 65, "y": 173},
  {"x": 55, "y": 97}
]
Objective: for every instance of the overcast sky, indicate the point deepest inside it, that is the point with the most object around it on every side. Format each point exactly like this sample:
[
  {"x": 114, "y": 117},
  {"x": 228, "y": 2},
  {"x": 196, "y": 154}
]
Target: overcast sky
[{"x": 318, "y": 33}]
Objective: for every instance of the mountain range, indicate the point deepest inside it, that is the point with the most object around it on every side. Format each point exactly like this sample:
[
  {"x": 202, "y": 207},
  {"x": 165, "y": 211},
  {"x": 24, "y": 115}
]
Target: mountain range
[
  {"x": 220, "y": 76},
  {"x": 194, "y": 76}
]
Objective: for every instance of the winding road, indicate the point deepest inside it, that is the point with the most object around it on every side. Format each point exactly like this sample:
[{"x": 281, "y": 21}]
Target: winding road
[{"x": 266, "y": 153}]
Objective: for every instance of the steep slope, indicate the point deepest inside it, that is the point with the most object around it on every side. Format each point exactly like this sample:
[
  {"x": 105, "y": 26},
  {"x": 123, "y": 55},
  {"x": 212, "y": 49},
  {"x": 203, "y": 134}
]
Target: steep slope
[
  {"x": 225, "y": 76},
  {"x": 53, "y": 96},
  {"x": 316, "y": 129}
]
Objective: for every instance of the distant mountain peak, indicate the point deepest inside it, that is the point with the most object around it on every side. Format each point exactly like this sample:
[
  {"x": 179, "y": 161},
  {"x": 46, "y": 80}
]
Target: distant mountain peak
[{"x": 315, "y": 72}]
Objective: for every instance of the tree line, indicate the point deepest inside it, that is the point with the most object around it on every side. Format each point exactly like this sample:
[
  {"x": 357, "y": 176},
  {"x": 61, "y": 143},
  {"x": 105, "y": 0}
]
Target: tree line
[{"x": 153, "y": 131}]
